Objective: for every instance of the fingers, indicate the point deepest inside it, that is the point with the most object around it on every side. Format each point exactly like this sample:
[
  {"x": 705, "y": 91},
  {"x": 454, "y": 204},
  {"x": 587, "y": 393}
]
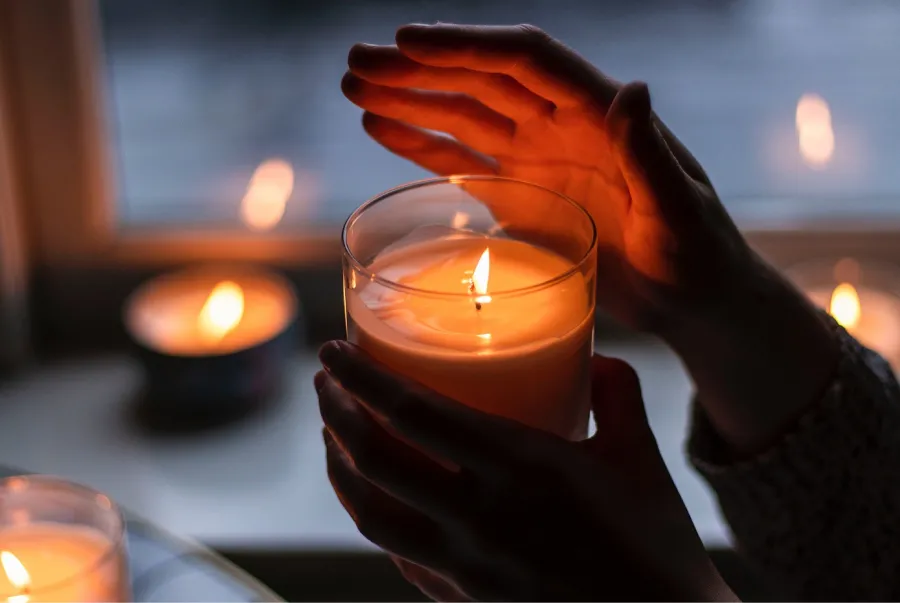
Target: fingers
[
  {"x": 523, "y": 52},
  {"x": 617, "y": 404},
  {"x": 446, "y": 157},
  {"x": 382, "y": 459},
  {"x": 387, "y": 66},
  {"x": 431, "y": 584},
  {"x": 381, "y": 519},
  {"x": 438, "y": 154},
  {"x": 437, "y": 425},
  {"x": 655, "y": 179},
  {"x": 461, "y": 116},
  {"x": 616, "y": 393}
]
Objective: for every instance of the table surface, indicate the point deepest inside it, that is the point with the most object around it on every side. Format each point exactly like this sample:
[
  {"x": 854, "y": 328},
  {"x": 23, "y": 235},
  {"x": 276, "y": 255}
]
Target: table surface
[
  {"x": 167, "y": 568},
  {"x": 260, "y": 484}
]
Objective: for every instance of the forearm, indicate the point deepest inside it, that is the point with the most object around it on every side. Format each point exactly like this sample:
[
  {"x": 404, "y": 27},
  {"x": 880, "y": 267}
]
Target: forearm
[
  {"x": 758, "y": 359},
  {"x": 817, "y": 510}
]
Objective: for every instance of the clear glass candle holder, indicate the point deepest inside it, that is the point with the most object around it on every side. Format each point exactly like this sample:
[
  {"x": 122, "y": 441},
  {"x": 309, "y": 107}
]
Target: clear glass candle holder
[
  {"x": 482, "y": 288},
  {"x": 60, "y": 541}
]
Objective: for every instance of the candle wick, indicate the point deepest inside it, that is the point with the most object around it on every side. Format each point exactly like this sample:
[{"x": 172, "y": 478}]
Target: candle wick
[{"x": 472, "y": 291}]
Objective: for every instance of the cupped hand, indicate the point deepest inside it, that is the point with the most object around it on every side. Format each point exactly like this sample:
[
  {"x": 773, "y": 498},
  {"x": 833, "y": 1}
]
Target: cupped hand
[
  {"x": 520, "y": 104},
  {"x": 509, "y": 512}
]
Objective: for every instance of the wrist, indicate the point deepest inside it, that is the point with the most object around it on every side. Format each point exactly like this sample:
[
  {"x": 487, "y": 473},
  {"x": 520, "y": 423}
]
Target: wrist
[{"x": 758, "y": 357}]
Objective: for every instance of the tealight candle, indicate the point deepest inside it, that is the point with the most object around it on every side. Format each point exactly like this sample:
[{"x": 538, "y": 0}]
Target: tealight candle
[
  {"x": 60, "y": 542},
  {"x": 504, "y": 324},
  {"x": 861, "y": 298},
  {"x": 212, "y": 338}
]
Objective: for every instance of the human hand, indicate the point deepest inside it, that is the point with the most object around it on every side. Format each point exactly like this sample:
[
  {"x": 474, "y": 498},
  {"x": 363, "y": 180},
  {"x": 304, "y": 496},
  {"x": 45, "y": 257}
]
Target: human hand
[
  {"x": 522, "y": 105},
  {"x": 522, "y": 514},
  {"x": 670, "y": 260}
]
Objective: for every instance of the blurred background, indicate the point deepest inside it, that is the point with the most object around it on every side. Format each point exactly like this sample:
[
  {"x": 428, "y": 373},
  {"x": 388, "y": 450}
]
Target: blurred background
[
  {"x": 223, "y": 116},
  {"x": 201, "y": 92}
]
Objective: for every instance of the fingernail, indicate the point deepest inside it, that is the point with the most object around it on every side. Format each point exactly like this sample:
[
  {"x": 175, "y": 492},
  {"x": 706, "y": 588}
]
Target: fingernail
[
  {"x": 319, "y": 381},
  {"x": 331, "y": 353}
]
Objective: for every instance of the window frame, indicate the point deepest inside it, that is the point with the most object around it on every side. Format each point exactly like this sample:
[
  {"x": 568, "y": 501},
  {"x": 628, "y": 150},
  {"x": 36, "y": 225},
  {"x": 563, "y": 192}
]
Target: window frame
[
  {"x": 14, "y": 348},
  {"x": 54, "y": 95}
]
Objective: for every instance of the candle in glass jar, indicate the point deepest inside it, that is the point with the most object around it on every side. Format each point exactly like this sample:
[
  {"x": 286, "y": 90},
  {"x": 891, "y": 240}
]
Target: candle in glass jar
[
  {"x": 60, "y": 541},
  {"x": 57, "y": 562},
  {"x": 498, "y": 324}
]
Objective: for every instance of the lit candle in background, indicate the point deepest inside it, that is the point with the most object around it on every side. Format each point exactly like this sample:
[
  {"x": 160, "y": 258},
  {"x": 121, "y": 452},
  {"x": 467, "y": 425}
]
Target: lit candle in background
[
  {"x": 503, "y": 325},
  {"x": 53, "y": 562},
  {"x": 860, "y": 299},
  {"x": 870, "y": 315},
  {"x": 44, "y": 556},
  {"x": 814, "y": 131},
  {"x": 267, "y": 194},
  {"x": 214, "y": 340},
  {"x": 210, "y": 311}
]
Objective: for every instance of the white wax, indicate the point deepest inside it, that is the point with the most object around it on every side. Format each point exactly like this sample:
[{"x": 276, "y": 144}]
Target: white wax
[
  {"x": 524, "y": 355},
  {"x": 64, "y": 563}
]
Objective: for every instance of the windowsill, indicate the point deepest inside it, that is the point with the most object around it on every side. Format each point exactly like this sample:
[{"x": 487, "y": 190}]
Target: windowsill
[{"x": 260, "y": 484}]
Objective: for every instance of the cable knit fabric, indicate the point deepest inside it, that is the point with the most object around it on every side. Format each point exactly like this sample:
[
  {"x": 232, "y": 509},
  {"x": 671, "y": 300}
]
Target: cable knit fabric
[{"x": 819, "y": 512}]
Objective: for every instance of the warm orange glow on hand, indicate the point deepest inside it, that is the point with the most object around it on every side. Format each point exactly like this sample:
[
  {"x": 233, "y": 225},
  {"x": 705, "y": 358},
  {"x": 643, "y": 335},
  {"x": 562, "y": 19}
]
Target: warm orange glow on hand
[
  {"x": 17, "y": 575},
  {"x": 481, "y": 276},
  {"x": 816, "y": 136},
  {"x": 267, "y": 194},
  {"x": 845, "y": 306},
  {"x": 222, "y": 311}
]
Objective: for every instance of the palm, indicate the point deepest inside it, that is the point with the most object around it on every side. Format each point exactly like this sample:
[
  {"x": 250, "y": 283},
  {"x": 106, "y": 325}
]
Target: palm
[
  {"x": 569, "y": 155},
  {"x": 501, "y": 125}
]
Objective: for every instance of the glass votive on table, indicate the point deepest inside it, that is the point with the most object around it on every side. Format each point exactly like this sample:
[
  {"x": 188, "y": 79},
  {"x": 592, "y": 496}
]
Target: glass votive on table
[
  {"x": 60, "y": 541},
  {"x": 482, "y": 288},
  {"x": 863, "y": 296}
]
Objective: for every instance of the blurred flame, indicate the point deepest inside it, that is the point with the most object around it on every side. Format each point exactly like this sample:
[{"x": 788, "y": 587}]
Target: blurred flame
[
  {"x": 460, "y": 220},
  {"x": 222, "y": 311},
  {"x": 816, "y": 137},
  {"x": 267, "y": 194},
  {"x": 16, "y": 574},
  {"x": 845, "y": 307},
  {"x": 481, "y": 276}
]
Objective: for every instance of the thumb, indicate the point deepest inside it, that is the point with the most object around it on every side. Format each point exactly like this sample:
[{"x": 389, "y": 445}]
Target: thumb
[
  {"x": 655, "y": 178},
  {"x": 617, "y": 403}
]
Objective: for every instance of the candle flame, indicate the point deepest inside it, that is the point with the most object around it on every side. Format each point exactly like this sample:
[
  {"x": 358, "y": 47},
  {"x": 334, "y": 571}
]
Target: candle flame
[
  {"x": 816, "y": 137},
  {"x": 222, "y": 311},
  {"x": 481, "y": 276},
  {"x": 845, "y": 306},
  {"x": 16, "y": 574},
  {"x": 267, "y": 194}
]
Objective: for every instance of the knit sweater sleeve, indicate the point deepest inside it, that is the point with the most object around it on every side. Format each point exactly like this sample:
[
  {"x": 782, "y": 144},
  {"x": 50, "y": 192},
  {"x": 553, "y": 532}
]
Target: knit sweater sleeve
[{"x": 819, "y": 512}]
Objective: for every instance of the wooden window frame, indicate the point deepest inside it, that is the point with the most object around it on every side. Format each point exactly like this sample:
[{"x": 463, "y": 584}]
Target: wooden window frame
[{"x": 83, "y": 265}]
